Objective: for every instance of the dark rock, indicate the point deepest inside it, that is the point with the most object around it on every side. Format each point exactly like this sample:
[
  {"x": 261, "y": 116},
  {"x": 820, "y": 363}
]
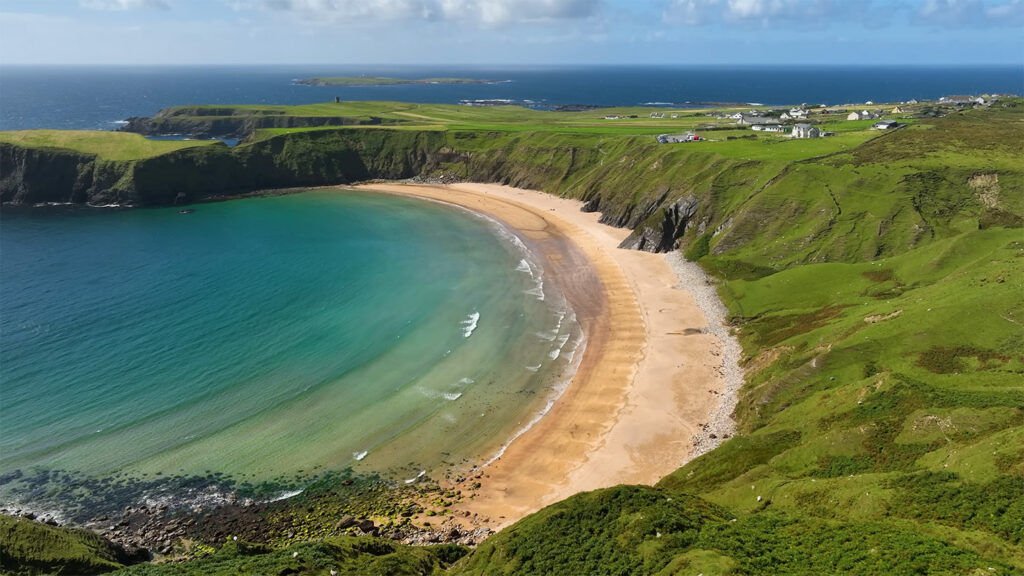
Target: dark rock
[
  {"x": 345, "y": 522},
  {"x": 661, "y": 236}
]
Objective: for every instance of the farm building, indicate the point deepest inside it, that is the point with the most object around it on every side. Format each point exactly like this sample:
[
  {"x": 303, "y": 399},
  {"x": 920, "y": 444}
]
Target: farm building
[{"x": 805, "y": 131}]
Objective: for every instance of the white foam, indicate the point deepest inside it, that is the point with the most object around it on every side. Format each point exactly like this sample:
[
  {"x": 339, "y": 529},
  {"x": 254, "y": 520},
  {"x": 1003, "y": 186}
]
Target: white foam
[
  {"x": 571, "y": 354},
  {"x": 525, "y": 267},
  {"x": 417, "y": 477},
  {"x": 360, "y": 455},
  {"x": 469, "y": 324},
  {"x": 554, "y": 353},
  {"x": 286, "y": 495},
  {"x": 466, "y": 381},
  {"x": 452, "y": 396},
  {"x": 538, "y": 290},
  {"x": 556, "y": 393},
  {"x": 534, "y": 368}
]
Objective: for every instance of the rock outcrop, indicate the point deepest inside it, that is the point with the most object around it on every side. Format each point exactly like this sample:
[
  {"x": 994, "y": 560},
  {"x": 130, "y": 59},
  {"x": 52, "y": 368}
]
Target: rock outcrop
[{"x": 661, "y": 236}]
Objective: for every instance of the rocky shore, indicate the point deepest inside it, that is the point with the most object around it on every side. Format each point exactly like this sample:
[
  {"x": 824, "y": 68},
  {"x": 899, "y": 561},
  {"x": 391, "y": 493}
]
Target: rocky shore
[{"x": 720, "y": 424}]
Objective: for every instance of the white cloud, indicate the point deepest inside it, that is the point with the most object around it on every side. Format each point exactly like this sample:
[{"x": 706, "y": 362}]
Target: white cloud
[
  {"x": 767, "y": 12},
  {"x": 485, "y": 12},
  {"x": 971, "y": 13},
  {"x": 122, "y": 5}
]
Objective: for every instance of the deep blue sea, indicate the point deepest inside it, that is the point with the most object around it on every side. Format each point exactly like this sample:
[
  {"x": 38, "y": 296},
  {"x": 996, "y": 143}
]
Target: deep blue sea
[{"x": 98, "y": 97}]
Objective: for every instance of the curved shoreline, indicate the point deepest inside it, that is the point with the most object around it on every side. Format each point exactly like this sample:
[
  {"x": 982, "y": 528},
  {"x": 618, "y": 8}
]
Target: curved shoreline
[{"x": 651, "y": 381}]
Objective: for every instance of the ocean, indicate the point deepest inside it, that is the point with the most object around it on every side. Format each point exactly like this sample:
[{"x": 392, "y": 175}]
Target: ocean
[
  {"x": 98, "y": 98},
  {"x": 262, "y": 337}
]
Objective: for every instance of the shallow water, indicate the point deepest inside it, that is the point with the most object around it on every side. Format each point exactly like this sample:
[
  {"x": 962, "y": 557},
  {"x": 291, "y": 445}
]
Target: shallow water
[{"x": 267, "y": 336}]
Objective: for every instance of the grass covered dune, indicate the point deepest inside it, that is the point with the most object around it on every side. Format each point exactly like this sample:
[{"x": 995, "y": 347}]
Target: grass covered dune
[{"x": 876, "y": 288}]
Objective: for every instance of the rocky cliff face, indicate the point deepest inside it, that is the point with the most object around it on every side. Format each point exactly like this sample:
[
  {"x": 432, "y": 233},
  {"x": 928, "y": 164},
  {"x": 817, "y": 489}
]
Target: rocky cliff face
[
  {"x": 39, "y": 176},
  {"x": 319, "y": 158},
  {"x": 661, "y": 234}
]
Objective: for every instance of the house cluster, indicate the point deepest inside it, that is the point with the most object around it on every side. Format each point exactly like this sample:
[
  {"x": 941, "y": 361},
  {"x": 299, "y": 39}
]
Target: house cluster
[
  {"x": 768, "y": 122},
  {"x": 962, "y": 100},
  {"x": 678, "y": 138},
  {"x": 983, "y": 100},
  {"x": 662, "y": 115},
  {"x": 865, "y": 114}
]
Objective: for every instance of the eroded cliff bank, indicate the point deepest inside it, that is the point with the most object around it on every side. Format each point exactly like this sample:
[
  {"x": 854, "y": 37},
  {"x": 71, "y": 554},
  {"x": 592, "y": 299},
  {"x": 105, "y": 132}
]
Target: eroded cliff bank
[{"x": 660, "y": 208}]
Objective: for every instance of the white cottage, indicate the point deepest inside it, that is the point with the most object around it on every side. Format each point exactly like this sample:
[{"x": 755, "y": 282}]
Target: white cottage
[{"x": 805, "y": 131}]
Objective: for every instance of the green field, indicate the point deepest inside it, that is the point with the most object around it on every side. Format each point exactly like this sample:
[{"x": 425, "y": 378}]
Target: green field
[{"x": 106, "y": 145}]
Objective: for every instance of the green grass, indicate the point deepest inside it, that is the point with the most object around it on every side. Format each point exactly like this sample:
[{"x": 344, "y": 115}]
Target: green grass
[
  {"x": 30, "y": 548},
  {"x": 106, "y": 145},
  {"x": 512, "y": 118},
  {"x": 364, "y": 556}
]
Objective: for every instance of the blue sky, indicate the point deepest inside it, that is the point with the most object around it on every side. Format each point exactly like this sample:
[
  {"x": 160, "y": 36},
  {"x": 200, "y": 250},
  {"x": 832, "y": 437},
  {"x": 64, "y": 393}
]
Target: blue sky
[{"x": 870, "y": 32}]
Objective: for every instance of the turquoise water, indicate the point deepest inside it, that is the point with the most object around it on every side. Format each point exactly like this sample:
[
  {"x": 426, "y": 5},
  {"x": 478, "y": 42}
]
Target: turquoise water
[{"x": 265, "y": 336}]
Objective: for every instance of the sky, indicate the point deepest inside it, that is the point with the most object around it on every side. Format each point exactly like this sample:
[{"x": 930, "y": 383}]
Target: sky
[{"x": 513, "y": 32}]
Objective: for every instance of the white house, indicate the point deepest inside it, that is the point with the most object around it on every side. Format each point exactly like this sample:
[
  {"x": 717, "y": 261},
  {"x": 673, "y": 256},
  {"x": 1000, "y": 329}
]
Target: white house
[
  {"x": 756, "y": 121},
  {"x": 805, "y": 131},
  {"x": 853, "y": 116},
  {"x": 885, "y": 125}
]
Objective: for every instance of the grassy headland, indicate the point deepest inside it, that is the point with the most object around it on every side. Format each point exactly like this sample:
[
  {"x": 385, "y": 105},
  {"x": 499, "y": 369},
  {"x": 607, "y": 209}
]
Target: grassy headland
[
  {"x": 875, "y": 283},
  {"x": 105, "y": 145}
]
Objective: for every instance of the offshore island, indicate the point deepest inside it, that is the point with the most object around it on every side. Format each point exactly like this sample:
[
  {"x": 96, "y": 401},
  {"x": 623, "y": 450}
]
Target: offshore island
[
  {"x": 803, "y": 340},
  {"x": 383, "y": 81}
]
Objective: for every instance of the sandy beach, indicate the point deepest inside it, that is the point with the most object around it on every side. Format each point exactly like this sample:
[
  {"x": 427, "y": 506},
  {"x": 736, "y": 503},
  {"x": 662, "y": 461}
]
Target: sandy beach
[{"x": 651, "y": 380}]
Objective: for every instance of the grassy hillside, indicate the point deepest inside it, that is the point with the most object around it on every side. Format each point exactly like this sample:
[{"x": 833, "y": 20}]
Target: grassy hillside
[
  {"x": 366, "y": 556},
  {"x": 876, "y": 285},
  {"x": 879, "y": 296},
  {"x": 28, "y": 548}
]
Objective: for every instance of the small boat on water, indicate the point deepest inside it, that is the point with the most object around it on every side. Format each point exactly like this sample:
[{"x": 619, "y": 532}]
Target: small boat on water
[{"x": 186, "y": 211}]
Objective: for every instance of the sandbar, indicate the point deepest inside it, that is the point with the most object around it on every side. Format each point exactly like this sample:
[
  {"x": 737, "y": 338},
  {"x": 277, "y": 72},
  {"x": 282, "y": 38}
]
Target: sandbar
[{"x": 647, "y": 385}]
